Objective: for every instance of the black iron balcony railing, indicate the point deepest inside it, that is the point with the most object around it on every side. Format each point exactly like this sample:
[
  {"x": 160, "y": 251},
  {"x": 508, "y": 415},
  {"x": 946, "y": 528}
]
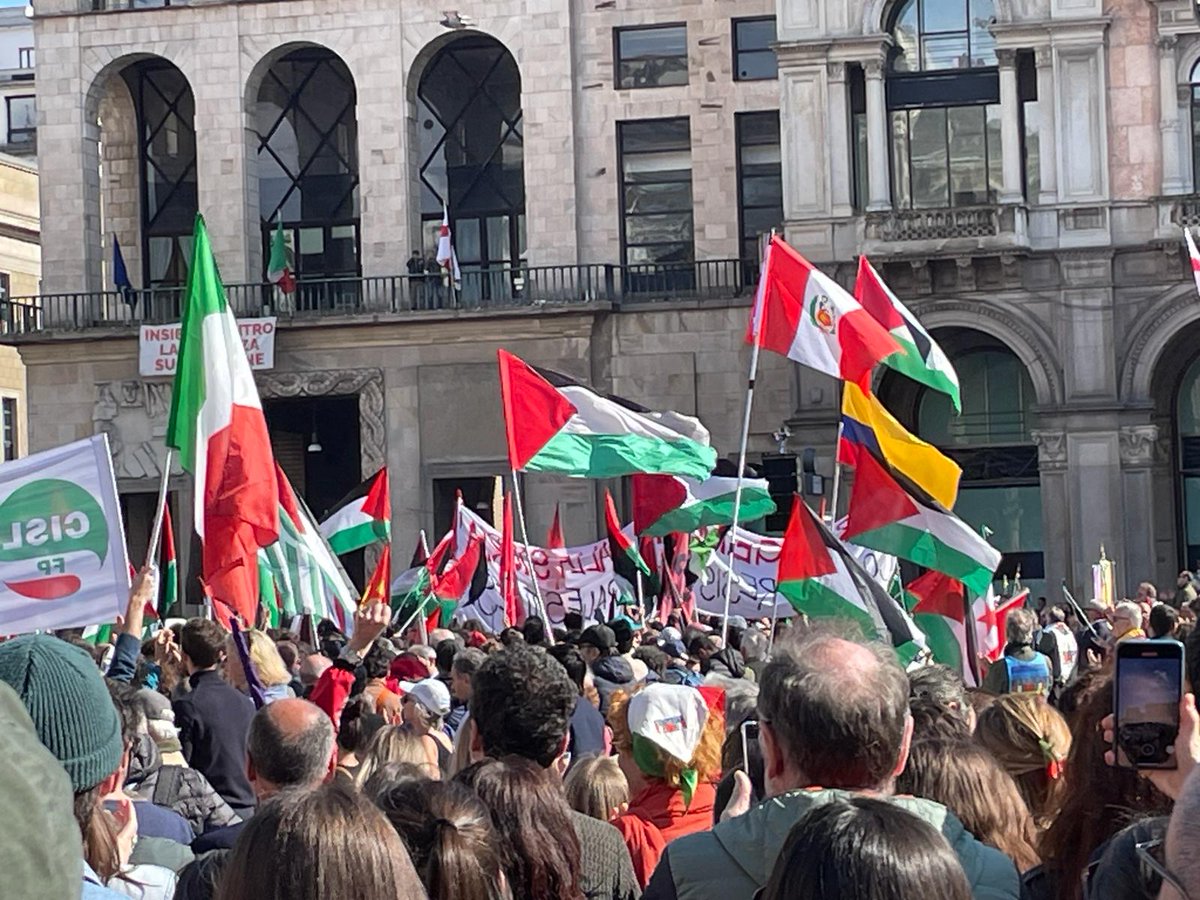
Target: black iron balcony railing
[{"x": 480, "y": 289}]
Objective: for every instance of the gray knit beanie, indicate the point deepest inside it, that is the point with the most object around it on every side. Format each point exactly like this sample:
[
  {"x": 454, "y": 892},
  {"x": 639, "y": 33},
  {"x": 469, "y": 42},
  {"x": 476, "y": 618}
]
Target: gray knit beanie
[{"x": 70, "y": 706}]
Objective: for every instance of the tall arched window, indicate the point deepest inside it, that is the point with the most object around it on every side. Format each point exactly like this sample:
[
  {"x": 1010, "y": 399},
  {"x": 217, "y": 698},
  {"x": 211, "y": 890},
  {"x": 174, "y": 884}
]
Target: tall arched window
[
  {"x": 1194, "y": 81},
  {"x": 472, "y": 159},
  {"x": 943, "y": 99},
  {"x": 1000, "y": 487},
  {"x": 1187, "y": 427},
  {"x": 308, "y": 171}
]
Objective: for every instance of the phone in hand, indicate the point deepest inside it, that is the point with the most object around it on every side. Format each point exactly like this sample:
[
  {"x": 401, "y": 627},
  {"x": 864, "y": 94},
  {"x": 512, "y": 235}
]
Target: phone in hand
[
  {"x": 749, "y": 730},
  {"x": 1147, "y": 689}
]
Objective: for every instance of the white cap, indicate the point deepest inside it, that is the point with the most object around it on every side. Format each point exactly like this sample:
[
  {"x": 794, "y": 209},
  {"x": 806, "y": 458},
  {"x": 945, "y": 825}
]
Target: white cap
[
  {"x": 671, "y": 716},
  {"x": 430, "y": 693}
]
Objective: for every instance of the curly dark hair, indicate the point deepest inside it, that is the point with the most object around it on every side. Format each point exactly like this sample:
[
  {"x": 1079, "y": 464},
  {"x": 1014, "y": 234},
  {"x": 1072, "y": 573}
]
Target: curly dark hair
[{"x": 521, "y": 704}]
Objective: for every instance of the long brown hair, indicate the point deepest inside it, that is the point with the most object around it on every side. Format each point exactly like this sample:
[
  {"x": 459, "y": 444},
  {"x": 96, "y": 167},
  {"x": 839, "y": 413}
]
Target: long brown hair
[
  {"x": 448, "y": 832},
  {"x": 538, "y": 841},
  {"x": 313, "y": 845},
  {"x": 1098, "y": 800},
  {"x": 1031, "y": 741},
  {"x": 968, "y": 781},
  {"x": 99, "y": 833}
]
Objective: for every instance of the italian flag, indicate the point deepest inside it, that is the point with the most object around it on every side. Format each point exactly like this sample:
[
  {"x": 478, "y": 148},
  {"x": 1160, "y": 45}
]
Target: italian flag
[
  {"x": 919, "y": 356},
  {"x": 820, "y": 578},
  {"x": 217, "y": 425},
  {"x": 902, "y": 520},
  {"x": 555, "y": 424},
  {"x": 362, "y": 517},
  {"x": 279, "y": 268},
  {"x": 803, "y": 314},
  {"x": 663, "y": 504},
  {"x": 938, "y": 605},
  {"x": 627, "y": 560}
]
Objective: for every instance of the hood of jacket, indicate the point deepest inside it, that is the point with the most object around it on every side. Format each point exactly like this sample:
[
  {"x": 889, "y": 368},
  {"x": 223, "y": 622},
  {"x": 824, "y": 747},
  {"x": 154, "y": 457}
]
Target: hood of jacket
[
  {"x": 727, "y": 660},
  {"x": 614, "y": 669},
  {"x": 144, "y": 759}
]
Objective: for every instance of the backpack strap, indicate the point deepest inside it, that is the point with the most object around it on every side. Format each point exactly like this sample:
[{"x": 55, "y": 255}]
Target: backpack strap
[{"x": 166, "y": 789}]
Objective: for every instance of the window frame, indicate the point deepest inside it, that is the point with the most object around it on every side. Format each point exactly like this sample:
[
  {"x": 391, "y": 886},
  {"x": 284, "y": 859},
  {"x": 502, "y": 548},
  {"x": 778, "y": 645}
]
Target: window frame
[
  {"x": 618, "y": 59},
  {"x": 31, "y": 132},
  {"x": 26, "y": 58},
  {"x": 739, "y": 146},
  {"x": 622, "y": 184},
  {"x": 738, "y": 50},
  {"x": 9, "y": 431}
]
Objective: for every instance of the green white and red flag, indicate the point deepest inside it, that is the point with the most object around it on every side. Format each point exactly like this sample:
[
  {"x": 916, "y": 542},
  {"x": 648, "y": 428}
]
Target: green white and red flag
[
  {"x": 624, "y": 549},
  {"x": 664, "y": 504},
  {"x": 555, "y": 424},
  {"x": 360, "y": 518},
  {"x": 938, "y": 605},
  {"x": 217, "y": 425},
  {"x": 279, "y": 267},
  {"x": 447, "y": 590},
  {"x": 169, "y": 566}
]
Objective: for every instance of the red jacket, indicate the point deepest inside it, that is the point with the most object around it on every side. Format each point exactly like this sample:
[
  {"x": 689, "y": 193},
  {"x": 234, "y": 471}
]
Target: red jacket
[{"x": 656, "y": 817}]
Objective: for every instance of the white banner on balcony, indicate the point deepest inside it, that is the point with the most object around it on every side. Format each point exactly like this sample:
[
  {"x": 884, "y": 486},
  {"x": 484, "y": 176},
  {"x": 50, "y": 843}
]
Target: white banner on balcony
[{"x": 158, "y": 346}]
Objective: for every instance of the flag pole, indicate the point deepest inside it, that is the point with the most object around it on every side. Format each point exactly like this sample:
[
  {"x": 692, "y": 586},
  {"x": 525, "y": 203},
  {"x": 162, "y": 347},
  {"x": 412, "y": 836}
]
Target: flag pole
[
  {"x": 537, "y": 591},
  {"x": 156, "y": 531},
  {"x": 756, "y": 315},
  {"x": 837, "y": 466},
  {"x": 971, "y": 636}
]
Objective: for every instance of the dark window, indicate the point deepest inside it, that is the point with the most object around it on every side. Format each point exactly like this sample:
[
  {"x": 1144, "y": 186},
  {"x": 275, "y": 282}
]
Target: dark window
[
  {"x": 22, "y": 120},
  {"x": 167, "y": 151},
  {"x": 656, "y": 189},
  {"x": 760, "y": 178},
  {"x": 932, "y": 35},
  {"x": 753, "y": 58},
  {"x": 308, "y": 169},
  {"x": 25, "y": 58},
  {"x": 1195, "y": 81},
  {"x": 945, "y": 156},
  {"x": 8, "y": 408},
  {"x": 651, "y": 57},
  {"x": 856, "y": 81}
]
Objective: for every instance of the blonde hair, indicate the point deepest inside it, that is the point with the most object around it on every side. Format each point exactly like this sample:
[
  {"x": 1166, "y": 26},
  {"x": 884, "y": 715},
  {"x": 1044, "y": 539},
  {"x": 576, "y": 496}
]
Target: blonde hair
[
  {"x": 264, "y": 656},
  {"x": 706, "y": 759},
  {"x": 1031, "y": 741},
  {"x": 596, "y": 787},
  {"x": 392, "y": 743}
]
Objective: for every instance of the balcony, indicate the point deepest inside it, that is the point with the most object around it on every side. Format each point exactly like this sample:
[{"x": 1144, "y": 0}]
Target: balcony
[
  {"x": 392, "y": 296},
  {"x": 951, "y": 229}
]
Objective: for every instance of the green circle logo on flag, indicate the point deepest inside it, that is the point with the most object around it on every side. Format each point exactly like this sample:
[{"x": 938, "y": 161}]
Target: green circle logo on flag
[
  {"x": 823, "y": 313},
  {"x": 51, "y": 532}
]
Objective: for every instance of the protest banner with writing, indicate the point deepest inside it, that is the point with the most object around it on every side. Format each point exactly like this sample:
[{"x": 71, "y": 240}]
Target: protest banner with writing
[
  {"x": 63, "y": 561},
  {"x": 158, "y": 346},
  {"x": 755, "y": 568},
  {"x": 572, "y": 579}
]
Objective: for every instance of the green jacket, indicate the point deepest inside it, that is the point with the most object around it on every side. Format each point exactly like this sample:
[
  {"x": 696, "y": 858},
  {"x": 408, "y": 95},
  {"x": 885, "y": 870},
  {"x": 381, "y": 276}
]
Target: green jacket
[{"x": 735, "y": 859}]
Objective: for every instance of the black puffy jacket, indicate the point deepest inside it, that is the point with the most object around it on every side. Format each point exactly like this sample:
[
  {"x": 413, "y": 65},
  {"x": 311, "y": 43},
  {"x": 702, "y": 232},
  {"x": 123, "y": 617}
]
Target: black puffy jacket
[{"x": 178, "y": 788}]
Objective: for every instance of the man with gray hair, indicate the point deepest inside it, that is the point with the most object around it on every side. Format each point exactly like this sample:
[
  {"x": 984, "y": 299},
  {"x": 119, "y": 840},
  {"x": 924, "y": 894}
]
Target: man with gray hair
[
  {"x": 1022, "y": 670},
  {"x": 1127, "y": 621},
  {"x": 290, "y": 747}
]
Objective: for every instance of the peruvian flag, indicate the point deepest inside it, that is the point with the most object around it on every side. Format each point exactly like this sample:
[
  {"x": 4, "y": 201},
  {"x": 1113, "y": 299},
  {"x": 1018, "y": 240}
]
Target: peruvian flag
[
  {"x": 217, "y": 425},
  {"x": 1194, "y": 254},
  {"x": 802, "y": 313},
  {"x": 446, "y": 256}
]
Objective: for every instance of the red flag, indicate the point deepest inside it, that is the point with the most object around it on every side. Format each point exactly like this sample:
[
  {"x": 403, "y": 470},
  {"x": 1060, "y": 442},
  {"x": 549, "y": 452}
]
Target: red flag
[
  {"x": 449, "y": 587},
  {"x": 554, "y": 538},
  {"x": 379, "y": 587},
  {"x": 939, "y": 595},
  {"x": 508, "y": 568}
]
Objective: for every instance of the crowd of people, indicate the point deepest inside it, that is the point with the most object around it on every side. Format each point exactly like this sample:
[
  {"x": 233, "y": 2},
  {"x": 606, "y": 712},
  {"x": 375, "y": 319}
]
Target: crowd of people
[{"x": 589, "y": 760}]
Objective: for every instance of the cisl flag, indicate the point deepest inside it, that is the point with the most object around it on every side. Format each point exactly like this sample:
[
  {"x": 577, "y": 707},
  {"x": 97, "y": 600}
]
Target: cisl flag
[{"x": 62, "y": 546}]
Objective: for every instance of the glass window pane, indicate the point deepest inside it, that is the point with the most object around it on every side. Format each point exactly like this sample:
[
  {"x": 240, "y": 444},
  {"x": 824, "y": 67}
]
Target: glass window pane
[
  {"x": 968, "y": 160},
  {"x": 652, "y": 57},
  {"x": 943, "y": 15},
  {"x": 667, "y": 197},
  {"x": 754, "y": 34},
  {"x": 1189, "y": 403},
  {"x": 1191, "y": 502},
  {"x": 643, "y": 43},
  {"x": 983, "y": 44},
  {"x": 901, "y": 179},
  {"x": 927, "y": 147},
  {"x": 659, "y": 228},
  {"x": 1014, "y": 514},
  {"x": 656, "y": 134},
  {"x": 995, "y": 152},
  {"x": 905, "y": 33},
  {"x": 945, "y": 51},
  {"x": 757, "y": 65},
  {"x": 1032, "y": 149},
  {"x": 858, "y": 129}
]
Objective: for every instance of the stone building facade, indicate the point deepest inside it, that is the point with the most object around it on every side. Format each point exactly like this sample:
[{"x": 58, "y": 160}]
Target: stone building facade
[{"x": 1019, "y": 170}]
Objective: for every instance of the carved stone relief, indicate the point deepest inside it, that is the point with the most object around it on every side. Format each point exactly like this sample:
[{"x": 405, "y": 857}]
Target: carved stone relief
[{"x": 1052, "y": 450}]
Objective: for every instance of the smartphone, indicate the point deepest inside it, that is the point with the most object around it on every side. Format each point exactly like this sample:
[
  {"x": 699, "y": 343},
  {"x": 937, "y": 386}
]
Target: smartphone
[
  {"x": 1147, "y": 689},
  {"x": 749, "y": 732}
]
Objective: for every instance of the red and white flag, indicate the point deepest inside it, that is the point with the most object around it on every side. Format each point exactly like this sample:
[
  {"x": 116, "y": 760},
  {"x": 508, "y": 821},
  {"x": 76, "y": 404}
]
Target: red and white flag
[
  {"x": 446, "y": 256},
  {"x": 803, "y": 314},
  {"x": 1194, "y": 254}
]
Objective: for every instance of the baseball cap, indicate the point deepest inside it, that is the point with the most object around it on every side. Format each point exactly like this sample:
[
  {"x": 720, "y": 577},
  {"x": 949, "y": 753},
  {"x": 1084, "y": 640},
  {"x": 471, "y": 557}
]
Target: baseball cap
[
  {"x": 673, "y": 648},
  {"x": 430, "y": 693},
  {"x": 670, "y": 716},
  {"x": 599, "y": 636}
]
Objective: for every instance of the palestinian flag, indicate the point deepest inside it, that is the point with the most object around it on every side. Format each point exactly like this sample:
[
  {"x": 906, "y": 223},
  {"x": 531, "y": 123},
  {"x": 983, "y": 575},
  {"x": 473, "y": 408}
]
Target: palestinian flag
[
  {"x": 420, "y": 552},
  {"x": 889, "y": 514},
  {"x": 169, "y": 566},
  {"x": 443, "y": 592},
  {"x": 412, "y": 587},
  {"x": 627, "y": 561},
  {"x": 663, "y": 504},
  {"x": 379, "y": 587},
  {"x": 555, "y": 424},
  {"x": 362, "y": 517},
  {"x": 555, "y": 540},
  {"x": 938, "y": 605},
  {"x": 919, "y": 356},
  {"x": 279, "y": 267},
  {"x": 98, "y": 635},
  {"x": 821, "y": 579},
  {"x": 217, "y": 425}
]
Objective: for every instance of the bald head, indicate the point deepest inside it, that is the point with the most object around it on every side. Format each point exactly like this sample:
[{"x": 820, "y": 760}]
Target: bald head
[
  {"x": 313, "y": 667},
  {"x": 291, "y": 744},
  {"x": 837, "y": 713}
]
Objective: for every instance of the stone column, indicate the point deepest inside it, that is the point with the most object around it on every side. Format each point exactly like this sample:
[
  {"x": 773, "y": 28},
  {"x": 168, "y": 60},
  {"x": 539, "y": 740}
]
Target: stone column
[
  {"x": 1048, "y": 133},
  {"x": 1012, "y": 190},
  {"x": 878, "y": 190},
  {"x": 1139, "y": 454},
  {"x": 1173, "y": 180},
  {"x": 1056, "y": 526},
  {"x": 841, "y": 174}
]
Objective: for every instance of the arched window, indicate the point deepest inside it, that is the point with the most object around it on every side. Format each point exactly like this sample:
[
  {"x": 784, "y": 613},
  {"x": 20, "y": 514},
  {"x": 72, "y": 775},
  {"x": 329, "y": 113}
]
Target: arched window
[
  {"x": 1187, "y": 427},
  {"x": 1194, "y": 81},
  {"x": 943, "y": 99},
  {"x": 308, "y": 171},
  {"x": 472, "y": 160},
  {"x": 1000, "y": 488},
  {"x": 166, "y": 147}
]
